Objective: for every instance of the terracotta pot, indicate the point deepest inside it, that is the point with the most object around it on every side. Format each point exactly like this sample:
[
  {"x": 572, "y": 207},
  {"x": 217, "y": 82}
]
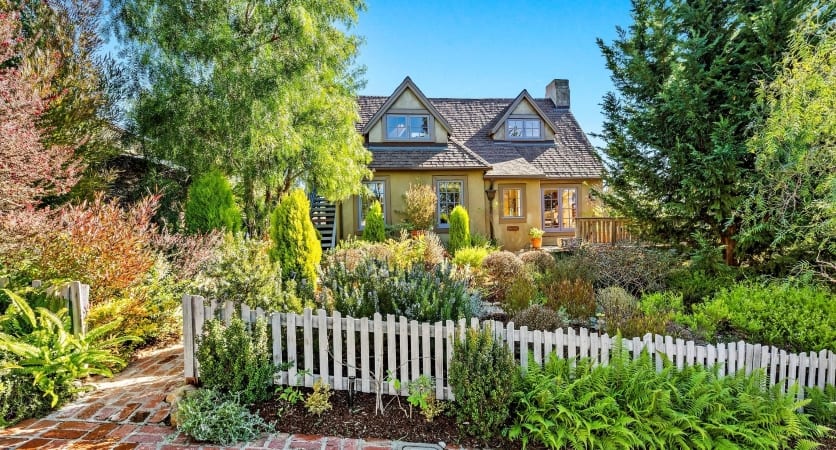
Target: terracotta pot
[
  {"x": 417, "y": 233},
  {"x": 536, "y": 242}
]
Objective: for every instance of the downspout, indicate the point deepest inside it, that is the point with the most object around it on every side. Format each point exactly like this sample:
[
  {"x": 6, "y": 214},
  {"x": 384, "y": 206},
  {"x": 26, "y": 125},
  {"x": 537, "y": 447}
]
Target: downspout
[{"x": 490, "y": 193}]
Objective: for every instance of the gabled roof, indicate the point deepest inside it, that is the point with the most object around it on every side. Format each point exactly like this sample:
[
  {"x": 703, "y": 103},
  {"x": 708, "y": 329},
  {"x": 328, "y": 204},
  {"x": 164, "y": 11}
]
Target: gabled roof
[
  {"x": 510, "y": 109},
  {"x": 407, "y": 83}
]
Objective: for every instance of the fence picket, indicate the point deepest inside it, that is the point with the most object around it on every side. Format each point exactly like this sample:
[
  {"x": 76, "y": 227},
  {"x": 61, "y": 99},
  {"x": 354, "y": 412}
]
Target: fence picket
[
  {"x": 606, "y": 347},
  {"x": 292, "y": 354},
  {"x": 391, "y": 343},
  {"x": 426, "y": 355},
  {"x": 414, "y": 350},
  {"x": 439, "y": 360},
  {"x": 524, "y": 334},
  {"x": 509, "y": 330},
  {"x": 537, "y": 339},
  {"x": 583, "y": 343},
  {"x": 337, "y": 322},
  {"x": 276, "y": 323},
  {"x": 449, "y": 339},
  {"x": 365, "y": 370},
  {"x": 403, "y": 327},
  {"x": 572, "y": 350},
  {"x": 188, "y": 339},
  {"x": 350, "y": 349},
  {"x": 379, "y": 376}
]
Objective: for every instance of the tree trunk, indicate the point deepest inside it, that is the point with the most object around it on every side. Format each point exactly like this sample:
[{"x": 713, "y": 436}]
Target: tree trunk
[{"x": 730, "y": 243}]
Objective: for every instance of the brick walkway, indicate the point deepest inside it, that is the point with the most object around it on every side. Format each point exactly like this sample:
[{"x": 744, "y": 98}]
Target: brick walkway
[{"x": 129, "y": 411}]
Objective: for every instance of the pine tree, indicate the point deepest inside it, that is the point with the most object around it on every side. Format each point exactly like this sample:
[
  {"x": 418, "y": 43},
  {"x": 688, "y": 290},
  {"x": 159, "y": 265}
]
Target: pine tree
[
  {"x": 211, "y": 206},
  {"x": 295, "y": 243}
]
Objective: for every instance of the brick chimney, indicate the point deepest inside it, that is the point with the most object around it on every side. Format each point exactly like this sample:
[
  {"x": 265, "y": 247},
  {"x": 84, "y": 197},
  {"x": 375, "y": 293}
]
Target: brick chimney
[{"x": 558, "y": 91}]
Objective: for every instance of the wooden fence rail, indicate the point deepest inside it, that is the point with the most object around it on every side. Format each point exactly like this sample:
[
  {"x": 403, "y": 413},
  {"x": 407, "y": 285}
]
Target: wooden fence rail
[
  {"x": 602, "y": 230},
  {"x": 373, "y": 352},
  {"x": 77, "y": 296}
]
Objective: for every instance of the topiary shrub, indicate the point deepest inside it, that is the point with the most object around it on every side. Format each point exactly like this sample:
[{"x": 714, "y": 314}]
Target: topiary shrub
[
  {"x": 459, "y": 229},
  {"x": 375, "y": 229},
  {"x": 208, "y": 416},
  {"x": 482, "y": 377},
  {"x": 295, "y": 243},
  {"x": 211, "y": 206},
  {"x": 539, "y": 317},
  {"x": 540, "y": 262},
  {"x": 233, "y": 361}
]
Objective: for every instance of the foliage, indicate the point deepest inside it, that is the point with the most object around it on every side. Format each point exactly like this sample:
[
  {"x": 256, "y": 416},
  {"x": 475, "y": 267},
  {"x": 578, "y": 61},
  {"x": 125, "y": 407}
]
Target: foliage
[
  {"x": 791, "y": 211},
  {"x": 375, "y": 229},
  {"x": 503, "y": 268},
  {"x": 245, "y": 274},
  {"x": 319, "y": 400},
  {"x": 295, "y": 244},
  {"x": 539, "y": 317},
  {"x": 422, "y": 396},
  {"x": 52, "y": 356},
  {"x": 413, "y": 292},
  {"x": 270, "y": 100},
  {"x": 676, "y": 130},
  {"x": 535, "y": 232},
  {"x": 627, "y": 404},
  {"x": 790, "y": 315},
  {"x": 482, "y": 376},
  {"x": 540, "y": 262},
  {"x": 20, "y": 398},
  {"x": 638, "y": 270},
  {"x": 210, "y": 205},
  {"x": 420, "y": 201},
  {"x": 574, "y": 295},
  {"x": 31, "y": 169},
  {"x": 519, "y": 295},
  {"x": 97, "y": 243},
  {"x": 624, "y": 315},
  {"x": 459, "y": 229},
  {"x": 470, "y": 257},
  {"x": 235, "y": 361},
  {"x": 209, "y": 416},
  {"x": 696, "y": 286},
  {"x": 822, "y": 406}
]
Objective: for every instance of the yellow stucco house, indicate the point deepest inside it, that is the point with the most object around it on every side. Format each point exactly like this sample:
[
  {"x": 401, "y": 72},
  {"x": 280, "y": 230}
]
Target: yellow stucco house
[{"x": 514, "y": 163}]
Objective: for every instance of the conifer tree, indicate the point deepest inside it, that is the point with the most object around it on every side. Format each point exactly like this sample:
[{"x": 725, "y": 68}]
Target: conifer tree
[
  {"x": 459, "y": 229},
  {"x": 375, "y": 229},
  {"x": 295, "y": 243},
  {"x": 211, "y": 206}
]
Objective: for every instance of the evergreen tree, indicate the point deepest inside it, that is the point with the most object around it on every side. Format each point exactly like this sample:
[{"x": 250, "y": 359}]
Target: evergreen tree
[
  {"x": 676, "y": 131},
  {"x": 295, "y": 243},
  {"x": 211, "y": 206},
  {"x": 459, "y": 229},
  {"x": 375, "y": 230}
]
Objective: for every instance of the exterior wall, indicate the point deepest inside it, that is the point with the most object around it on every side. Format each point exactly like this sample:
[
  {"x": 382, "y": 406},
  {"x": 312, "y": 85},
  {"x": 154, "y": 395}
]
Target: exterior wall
[
  {"x": 397, "y": 182},
  {"x": 408, "y": 103},
  {"x": 524, "y": 109}
]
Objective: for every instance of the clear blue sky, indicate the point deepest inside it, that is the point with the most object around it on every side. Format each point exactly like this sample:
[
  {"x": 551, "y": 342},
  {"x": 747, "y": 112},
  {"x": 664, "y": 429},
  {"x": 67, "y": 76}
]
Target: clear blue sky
[{"x": 491, "y": 48}]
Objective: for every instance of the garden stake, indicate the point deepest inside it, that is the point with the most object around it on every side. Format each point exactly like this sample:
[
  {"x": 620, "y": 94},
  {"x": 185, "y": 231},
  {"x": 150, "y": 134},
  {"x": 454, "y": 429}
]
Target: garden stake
[{"x": 351, "y": 380}]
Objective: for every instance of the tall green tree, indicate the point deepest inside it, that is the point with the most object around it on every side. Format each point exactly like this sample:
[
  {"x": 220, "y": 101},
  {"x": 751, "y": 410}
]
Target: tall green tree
[
  {"x": 792, "y": 208},
  {"x": 210, "y": 205},
  {"x": 264, "y": 91},
  {"x": 676, "y": 130}
]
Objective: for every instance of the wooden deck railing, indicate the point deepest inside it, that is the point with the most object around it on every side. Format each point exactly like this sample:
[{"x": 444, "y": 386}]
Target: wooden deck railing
[{"x": 602, "y": 230}]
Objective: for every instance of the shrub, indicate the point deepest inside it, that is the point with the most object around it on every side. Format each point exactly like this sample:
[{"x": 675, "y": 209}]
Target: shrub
[
  {"x": 20, "y": 398},
  {"x": 434, "y": 253},
  {"x": 539, "y": 317},
  {"x": 623, "y": 313},
  {"x": 627, "y": 404},
  {"x": 696, "y": 286},
  {"x": 319, "y": 400},
  {"x": 576, "y": 296},
  {"x": 375, "y": 229},
  {"x": 211, "y": 206},
  {"x": 638, "y": 270},
  {"x": 540, "y": 262},
  {"x": 470, "y": 257},
  {"x": 207, "y": 415},
  {"x": 233, "y": 361},
  {"x": 482, "y": 376},
  {"x": 414, "y": 292},
  {"x": 420, "y": 201},
  {"x": 822, "y": 407},
  {"x": 244, "y": 273},
  {"x": 459, "y": 229},
  {"x": 295, "y": 244},
  {"x": 572, "y": 267},
  {"x": 503, "y": 268},
  {"x": 793, "y": 316},
  {"x": 519, "y": 295},
  {"x": 422, "y": 395}
]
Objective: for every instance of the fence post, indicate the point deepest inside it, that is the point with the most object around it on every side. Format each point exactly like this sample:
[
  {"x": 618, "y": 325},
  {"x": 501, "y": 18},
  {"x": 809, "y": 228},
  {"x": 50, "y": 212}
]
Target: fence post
[
  {"x": 188, "y": 340},
  {"x": 79, "y": 300}
]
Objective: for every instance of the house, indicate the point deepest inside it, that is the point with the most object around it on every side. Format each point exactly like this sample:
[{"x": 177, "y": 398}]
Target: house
[{"x": 514, "y": 163}]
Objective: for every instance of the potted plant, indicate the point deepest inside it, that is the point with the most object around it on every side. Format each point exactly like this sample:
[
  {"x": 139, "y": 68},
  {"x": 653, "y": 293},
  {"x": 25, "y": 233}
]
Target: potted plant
[
  {"x": 536, "y": 236},
  {"x": 419, "y": 201}
]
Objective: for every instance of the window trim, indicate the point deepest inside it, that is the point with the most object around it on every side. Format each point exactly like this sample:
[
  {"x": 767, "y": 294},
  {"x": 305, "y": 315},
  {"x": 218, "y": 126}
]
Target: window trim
[
  {"x": 407, "y": 114},
  {"x": 463, "y": 197},
  {"x": 511, "y": 219},
  {"x": 559, "y": 188},
  {"x": 359, "y": 215},
  {"x": 524, "y": 119}
]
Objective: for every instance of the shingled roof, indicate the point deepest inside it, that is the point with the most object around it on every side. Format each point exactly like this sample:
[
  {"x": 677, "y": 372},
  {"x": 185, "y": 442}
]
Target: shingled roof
[{"x": 471, "y": 146}]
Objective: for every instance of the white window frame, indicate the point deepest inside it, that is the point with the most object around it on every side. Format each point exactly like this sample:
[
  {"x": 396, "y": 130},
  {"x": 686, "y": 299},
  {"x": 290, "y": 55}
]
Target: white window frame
[
  {"x": 379, "y": 196},
  {"x": 560, "y": 207},
  {"x": 526, "y": 121},
  {"x": 438, "y": 183},
  {"x": 407, "y": 118}
]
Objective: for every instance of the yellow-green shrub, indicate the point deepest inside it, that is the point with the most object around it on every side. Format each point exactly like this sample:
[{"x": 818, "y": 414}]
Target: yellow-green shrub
[
  {"x": 459, "y": 229},
  {"x": 211, "y": 206},
  {"x": 375, "y": 229},
  {"x": 295, "y": 243}
]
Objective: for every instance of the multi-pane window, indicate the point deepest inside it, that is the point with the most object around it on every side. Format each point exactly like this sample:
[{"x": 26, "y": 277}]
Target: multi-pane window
[
  {"x": 523, "y": 128},
  {"x": 408, "y": 127},
  {"x": 560, "y": 208},
  {"x": 450, "y": 194},
  {"x": 376, "y": 193},
  {"x": 512, "y": 202}
]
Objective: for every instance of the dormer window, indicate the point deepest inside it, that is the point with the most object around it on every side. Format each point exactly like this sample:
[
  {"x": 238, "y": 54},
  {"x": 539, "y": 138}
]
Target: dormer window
[
  {"x": 524, "y": 129},
  {"x": 408, "y": 127}
]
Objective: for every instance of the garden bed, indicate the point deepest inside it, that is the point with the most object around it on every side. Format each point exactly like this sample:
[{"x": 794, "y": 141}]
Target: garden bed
[{"x": 362, "y": 422}]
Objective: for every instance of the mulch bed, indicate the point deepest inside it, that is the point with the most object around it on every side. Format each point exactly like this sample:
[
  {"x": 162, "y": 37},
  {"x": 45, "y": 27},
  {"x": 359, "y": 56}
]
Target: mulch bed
[{"x": 361, "y": 422}]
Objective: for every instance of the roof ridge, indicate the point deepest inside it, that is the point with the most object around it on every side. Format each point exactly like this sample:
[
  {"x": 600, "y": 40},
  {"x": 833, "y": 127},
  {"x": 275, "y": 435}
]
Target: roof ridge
[{"x": 469, "y": 151}]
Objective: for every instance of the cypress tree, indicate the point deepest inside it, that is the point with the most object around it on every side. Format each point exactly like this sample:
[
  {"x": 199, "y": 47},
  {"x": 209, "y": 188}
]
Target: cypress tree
[
  {"x": 295, "y": 243},
  {"x": 211, "y": 206},
  {"x": 375, "y": 230},
  {"x": 459, "y": 229}
]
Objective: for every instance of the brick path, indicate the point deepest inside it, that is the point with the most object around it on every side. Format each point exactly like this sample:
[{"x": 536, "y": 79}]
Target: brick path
[{"x": 129, "y": 411}]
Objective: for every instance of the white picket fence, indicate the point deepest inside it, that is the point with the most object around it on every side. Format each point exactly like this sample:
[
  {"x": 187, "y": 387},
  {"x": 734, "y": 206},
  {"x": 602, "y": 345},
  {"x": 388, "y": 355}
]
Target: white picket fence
[
  {"x": 77, "y": 296},
  {"x": 372, "y": 353}
]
